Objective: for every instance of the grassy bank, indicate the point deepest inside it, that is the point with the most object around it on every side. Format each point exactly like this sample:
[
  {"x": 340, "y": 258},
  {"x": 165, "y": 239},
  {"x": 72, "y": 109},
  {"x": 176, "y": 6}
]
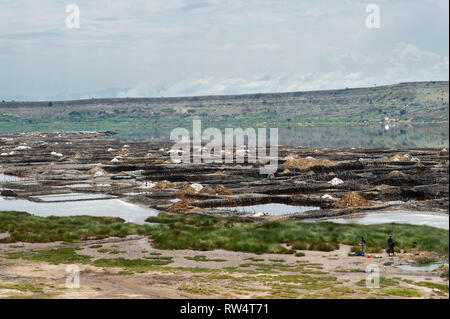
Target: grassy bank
[
  {"x": 28, "y": 228},
  {"x": 238, "y": 234}
]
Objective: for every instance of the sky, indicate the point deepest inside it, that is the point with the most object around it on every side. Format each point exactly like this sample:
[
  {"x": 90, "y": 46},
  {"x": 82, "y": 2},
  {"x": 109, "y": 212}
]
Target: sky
[{"x": 153, "y": 48}]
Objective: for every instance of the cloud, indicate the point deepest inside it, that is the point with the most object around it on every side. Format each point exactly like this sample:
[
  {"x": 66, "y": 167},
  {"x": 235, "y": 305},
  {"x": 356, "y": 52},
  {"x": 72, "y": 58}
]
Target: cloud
[
  {"x": 263, "y": 83},
  {"x": 190, "y": 47}
]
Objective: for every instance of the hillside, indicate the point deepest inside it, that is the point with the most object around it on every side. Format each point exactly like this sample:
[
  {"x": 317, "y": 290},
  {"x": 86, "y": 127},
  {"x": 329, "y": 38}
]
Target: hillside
[{"x": 424, "y": 103}]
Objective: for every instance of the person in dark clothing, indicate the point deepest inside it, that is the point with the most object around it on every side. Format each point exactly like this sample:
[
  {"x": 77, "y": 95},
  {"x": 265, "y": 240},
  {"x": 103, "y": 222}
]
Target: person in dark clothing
[
  {"x": 390, "y": 245},
  {"x": 363, "y": 246}
]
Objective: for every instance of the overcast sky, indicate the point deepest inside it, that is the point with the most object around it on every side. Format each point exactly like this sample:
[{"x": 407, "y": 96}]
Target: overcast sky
[{"x": 158, "y": 48}]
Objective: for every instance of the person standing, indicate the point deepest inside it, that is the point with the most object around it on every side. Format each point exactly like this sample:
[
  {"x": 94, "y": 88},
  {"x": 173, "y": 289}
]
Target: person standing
[
  {"x": 390, "y": 244},
  {"x": 363, "y": 246}
]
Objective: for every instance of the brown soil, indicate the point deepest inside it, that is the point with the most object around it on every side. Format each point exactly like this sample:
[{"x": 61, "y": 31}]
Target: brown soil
[
  {"x": 188, "y": 190},
  {"x": 163, "y": 185},
  {"x": 396, "y": 173},
  {"x": 352, "y": 200},
  {"x": 398, "y": 157},
  {"x": 222, "y": 190},
  {"x": 207, "y": 190},
  {"x": 246, "y": 282},
  {"x": 306, "y": 163},
  {"x": 179, "y": 207}
]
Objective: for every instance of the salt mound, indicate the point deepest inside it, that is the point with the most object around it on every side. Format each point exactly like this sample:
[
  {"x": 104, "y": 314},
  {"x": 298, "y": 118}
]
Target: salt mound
[
  {"x": 352, "y": 199},
  {"x": 208, "y": 190},
  {"x": 179, "y": 207},
  {"x": 98, "y": 171},
  {"x": 196, "y": 186},
  {"x": 306, "y": 163},
  {"x": 163, "y": 185},
  {"x": 56, "y": 154},
  {"x": 336, "y": 181},
  {"x": 188, "y": 190},
  {"x": 397, "y": 158},
  {"x": 222, "y": 190},
  {"x": 396, "y": 173}
]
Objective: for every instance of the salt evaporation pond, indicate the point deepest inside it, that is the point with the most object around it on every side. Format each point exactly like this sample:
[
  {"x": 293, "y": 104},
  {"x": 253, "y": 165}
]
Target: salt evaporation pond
[
  {"x": 102, "y": 208},
  {"x": 71, "y": 197},
  {"x": 271, "y": 209},
  {"x": 439, "y": 221},
  {"x": 10, "y": 178}
]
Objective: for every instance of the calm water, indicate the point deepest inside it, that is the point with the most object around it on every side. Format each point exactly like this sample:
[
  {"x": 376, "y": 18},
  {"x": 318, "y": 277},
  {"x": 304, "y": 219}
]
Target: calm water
[
  {"x": 429, "y": 267},
  {"x": 103, "y": 208},
  {"x": 323, "y": 135},
  {"x": 71, "y": 197},
  {"x": 438, "y": 221}
]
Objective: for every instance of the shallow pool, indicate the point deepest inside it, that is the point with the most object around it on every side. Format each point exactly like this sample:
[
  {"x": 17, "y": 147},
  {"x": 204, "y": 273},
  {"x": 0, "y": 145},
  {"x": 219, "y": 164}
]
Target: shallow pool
[
  {"x": 103, "y": 208},
  {"x": 71, "y": 197},
  {"x": 439, "y": 221},
  {"x": 10, "y": 178},
  {"x": 271, "y": 209},
  {"x": 429, "y": 267}
]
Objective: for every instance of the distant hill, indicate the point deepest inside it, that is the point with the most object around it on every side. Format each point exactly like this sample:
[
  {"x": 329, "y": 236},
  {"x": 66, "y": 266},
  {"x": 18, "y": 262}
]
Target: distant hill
[{"x": 403, "y": 103}]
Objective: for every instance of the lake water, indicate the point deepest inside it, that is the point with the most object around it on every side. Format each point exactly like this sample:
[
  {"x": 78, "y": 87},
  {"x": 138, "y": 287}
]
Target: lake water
[
  {"x": 103, "y": 208},
  {"x": 439, "y": 221}
]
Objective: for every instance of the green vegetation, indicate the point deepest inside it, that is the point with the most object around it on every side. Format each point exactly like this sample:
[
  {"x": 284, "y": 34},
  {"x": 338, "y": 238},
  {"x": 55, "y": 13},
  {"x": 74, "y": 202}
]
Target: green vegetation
[
  {"x": 384, "y": 282},
  {"x": 425, "y": 260},
  {"x": 401, "y": 291},
  {"x": 208, "y": 232},
  {"x": 66, "y": 255},
  {"x": 241, "y": 234},
  {"x": 203, "y": 258},
  {"x": 131, "y": 265},
  {"x": 25, "y": 227},
  {"x": 443, "y": 288},
  {"x": 110, "y": 251},
  {"x": 23, "y": 287}
]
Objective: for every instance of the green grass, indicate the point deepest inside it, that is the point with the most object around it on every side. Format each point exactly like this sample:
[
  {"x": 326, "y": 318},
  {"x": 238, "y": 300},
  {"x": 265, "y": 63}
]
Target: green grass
[
  {"x": 425, "y": 260},
  {"x": 207, "y": 232},
  {"x": 401, "y": 291},
  {"x": 384, "y": 282},
  {"x": 443, "y": 288},
  {"x": 25, "y": 227},
  {"x": 241, "y": 234},
  {"x": 131, "y": 265},
  {"x": 66, "y": 255},
  {"x": 22, "y": 287},
  {"x": 203, "y": 258}
]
